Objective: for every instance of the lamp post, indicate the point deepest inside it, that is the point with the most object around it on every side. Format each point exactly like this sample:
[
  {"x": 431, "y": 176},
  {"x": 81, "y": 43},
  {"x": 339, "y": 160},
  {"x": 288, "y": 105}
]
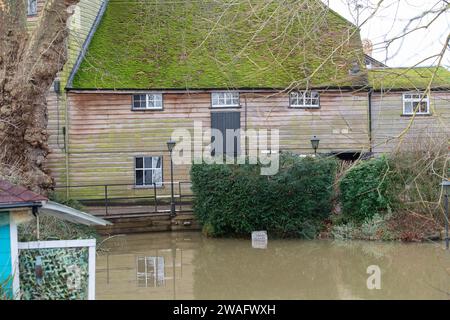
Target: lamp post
[
  {"x": 170, "y": 146},
  {"x": 315, "y": 144},
  {"x": 446, "y": 186}
]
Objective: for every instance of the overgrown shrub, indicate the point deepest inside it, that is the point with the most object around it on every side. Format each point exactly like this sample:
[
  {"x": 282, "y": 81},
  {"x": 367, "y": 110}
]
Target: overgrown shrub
[
  {"x": 369, "y": 188},
  {"x": 52, "y": 228},
  {"x": 5, "y": 289},
  {"x": 420, "y": 169},
  {"x": 237, "y": 199}
]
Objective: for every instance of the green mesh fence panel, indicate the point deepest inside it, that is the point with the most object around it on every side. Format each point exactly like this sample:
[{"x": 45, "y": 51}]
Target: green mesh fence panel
[{"x": 64, "y": 274}]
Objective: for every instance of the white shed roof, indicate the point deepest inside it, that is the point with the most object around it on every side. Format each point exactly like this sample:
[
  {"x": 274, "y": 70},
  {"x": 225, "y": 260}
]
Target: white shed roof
[{"x": 70, "y": 214}]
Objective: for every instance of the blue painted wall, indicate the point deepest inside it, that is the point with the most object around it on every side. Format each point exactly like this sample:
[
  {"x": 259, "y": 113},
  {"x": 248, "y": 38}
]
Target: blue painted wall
[{"x": 5, "y": 249}]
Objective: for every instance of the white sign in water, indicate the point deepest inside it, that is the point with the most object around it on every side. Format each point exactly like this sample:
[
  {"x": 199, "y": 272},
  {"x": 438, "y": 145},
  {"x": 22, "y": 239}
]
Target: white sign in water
[{"x": 259, "y": 239}]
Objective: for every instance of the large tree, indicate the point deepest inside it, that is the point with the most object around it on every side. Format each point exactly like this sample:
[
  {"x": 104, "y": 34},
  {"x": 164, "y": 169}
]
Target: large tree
[{"x": 29, "y": 62}]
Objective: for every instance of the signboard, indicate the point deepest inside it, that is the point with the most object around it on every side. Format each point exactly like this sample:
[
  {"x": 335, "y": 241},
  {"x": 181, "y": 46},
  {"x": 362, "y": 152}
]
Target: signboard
[{"x": 259, "y": 239}]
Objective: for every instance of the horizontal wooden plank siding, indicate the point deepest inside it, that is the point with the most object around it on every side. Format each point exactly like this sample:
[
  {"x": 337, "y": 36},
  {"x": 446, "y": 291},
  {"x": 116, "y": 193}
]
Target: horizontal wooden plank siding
[
  {"x": 105, "y": 135},
  {"x": 80, "y": 23},
  {"x": 32, "y": 20},
  {"x": 388, "y": 122},
  {"x": 341, "y": 122}
]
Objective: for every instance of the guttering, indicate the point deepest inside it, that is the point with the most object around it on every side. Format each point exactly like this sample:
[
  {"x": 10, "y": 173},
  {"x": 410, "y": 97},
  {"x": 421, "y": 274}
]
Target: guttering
[
  {"x": 20, "y": 205},
  {"x": 409, "y": 89},
  {"x": 87, "y": 42},
  {"x": 370, "y": 119}
]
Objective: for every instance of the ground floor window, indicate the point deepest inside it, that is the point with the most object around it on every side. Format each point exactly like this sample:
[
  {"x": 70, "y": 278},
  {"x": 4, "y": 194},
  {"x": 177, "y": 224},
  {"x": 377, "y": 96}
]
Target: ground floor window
[
  {"x": 415, "y": 103},
  {"x": 148, "y": 171}
]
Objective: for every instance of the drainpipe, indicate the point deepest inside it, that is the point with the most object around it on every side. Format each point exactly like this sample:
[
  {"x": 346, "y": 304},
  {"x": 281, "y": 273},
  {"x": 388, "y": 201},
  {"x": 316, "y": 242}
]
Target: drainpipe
[
  {"x": 370, "y": 119},
  {"x": 66, "y": 143}
]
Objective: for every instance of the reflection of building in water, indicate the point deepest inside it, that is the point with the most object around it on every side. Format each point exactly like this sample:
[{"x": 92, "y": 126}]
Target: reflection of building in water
[
  {"x": 150, "y": 271},
  {"x": 154, "y": 270},
  {"x": 147, "y": 266}
]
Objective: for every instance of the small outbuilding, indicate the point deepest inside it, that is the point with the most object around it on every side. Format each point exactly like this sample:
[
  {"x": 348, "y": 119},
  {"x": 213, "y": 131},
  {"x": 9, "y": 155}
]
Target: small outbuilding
[{"x": 18, "y": 204}]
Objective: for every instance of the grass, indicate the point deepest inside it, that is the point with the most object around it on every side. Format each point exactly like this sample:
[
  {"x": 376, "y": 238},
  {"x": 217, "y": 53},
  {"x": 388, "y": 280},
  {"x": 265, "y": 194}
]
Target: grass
[{"x": 220, "y": 44}]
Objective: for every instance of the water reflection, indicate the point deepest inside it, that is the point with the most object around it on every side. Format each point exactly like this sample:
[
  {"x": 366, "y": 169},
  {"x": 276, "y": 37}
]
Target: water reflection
[{"x": 189, "y": 266}]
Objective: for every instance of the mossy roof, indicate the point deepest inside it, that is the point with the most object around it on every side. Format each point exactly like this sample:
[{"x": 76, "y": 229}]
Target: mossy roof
[
  {"x": 221, "y": 44},
  {"x": 409, "y": 78}
]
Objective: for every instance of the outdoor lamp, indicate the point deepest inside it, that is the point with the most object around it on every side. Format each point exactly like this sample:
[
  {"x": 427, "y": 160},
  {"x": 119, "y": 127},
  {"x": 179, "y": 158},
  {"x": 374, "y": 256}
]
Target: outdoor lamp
[
  {"x": 315, "y": 143},
  {"x": 446, "y": 188},
  {"x": 170, "y": 146}
]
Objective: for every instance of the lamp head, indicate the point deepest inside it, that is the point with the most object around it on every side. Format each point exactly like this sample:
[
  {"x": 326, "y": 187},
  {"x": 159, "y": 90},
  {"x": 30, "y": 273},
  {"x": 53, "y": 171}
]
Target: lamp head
[
  {"x": 315, "y": 143},
  {"x": 446, "y": 186},
  {"x": 170, "y": 145}
]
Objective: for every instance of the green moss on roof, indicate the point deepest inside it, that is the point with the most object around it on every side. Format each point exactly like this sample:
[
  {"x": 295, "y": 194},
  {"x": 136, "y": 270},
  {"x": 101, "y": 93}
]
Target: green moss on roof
[
  {"x": 220, "y": 44},
  {"x": 409, "y": 78}
]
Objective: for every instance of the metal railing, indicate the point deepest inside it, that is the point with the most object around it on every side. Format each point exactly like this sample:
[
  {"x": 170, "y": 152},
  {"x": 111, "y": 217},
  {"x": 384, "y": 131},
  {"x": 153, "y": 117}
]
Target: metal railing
[{"x": 149, "y": 199}]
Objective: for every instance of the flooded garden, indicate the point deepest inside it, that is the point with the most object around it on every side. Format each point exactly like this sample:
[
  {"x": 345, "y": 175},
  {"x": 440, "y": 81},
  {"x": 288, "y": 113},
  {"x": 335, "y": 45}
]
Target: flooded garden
[{"x": 190, "y": 266}]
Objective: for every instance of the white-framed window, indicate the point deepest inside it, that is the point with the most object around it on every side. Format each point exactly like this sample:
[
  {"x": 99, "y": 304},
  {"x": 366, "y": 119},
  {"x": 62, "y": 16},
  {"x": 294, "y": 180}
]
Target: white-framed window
[
  {"x": 416, "y": 103},
  {"x": 225, "y": 99},
  {"x": 147, "y": 101},
  {"x": 304, "y": 99},
  {"x": 148, "y": 171},
  {"x": 31, "y": 7}
]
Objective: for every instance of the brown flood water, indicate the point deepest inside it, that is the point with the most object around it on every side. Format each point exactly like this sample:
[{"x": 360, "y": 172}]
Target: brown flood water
[{"x": 190, "y": 266}]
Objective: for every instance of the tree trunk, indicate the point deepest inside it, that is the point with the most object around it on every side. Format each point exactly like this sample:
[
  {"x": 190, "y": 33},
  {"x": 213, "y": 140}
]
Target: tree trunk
[{"x": 29, "y": 62}]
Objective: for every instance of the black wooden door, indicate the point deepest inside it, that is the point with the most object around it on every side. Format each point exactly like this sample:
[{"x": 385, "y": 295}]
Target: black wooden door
[{"x": 224, "y": 121}]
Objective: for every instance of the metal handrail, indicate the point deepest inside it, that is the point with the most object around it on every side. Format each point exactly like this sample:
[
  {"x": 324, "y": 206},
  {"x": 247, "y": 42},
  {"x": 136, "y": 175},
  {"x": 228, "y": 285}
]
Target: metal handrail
[{"x": 107, "y": 198}]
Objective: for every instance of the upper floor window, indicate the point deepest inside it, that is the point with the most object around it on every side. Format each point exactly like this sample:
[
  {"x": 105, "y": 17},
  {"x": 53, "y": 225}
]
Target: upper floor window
[
  {"x": 148, "y": 101},
  {"x": 225, "y": 99},
  {"x": 32, "y": 7},
  {"x": 304, "y": 99},
  {"x": 416, "y": 103},
  {"x": 148, "y": 171}
]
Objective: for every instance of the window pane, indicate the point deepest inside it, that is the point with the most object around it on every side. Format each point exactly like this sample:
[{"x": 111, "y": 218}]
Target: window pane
[
  {"x": 136, "y": 104},
  {"x": 32, "y": 7},
  {"x": 139, "y": 177},
  {"x": 154, "y": 100},
  {"x": 156, "y": 162},
  {"x": 148, "y": 177},
  {"x": 139, "y": 163},
  {"x": 215, "y": 99},
  {"x": 138, "y": 101},
  {"x": 157, "y": 176},
  {"x": 423, "y": 107},
  {"x": 148, "y": 162},
  {"x": 408, "y": 107}
]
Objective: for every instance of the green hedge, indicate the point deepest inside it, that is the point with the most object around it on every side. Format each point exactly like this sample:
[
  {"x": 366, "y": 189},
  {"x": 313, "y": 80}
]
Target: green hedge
[
  {"x": 368, "y": 188},
  {"x": 236, "y": 199}
]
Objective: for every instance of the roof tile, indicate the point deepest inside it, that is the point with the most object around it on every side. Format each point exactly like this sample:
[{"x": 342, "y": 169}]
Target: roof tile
[{"x": 11, "y": 194}]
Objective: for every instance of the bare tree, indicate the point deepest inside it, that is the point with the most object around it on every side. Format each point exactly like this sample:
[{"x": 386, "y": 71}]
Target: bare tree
[{"x": 29, "y": 62}]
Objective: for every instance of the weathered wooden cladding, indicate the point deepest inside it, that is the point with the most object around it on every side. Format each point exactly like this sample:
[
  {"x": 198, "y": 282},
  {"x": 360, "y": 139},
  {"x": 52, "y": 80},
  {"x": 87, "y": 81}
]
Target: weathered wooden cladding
[
  {"x": 388, "y": 121},
  {"x": 80, "y": 24},
  {"x": 104, "y": 134}
]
